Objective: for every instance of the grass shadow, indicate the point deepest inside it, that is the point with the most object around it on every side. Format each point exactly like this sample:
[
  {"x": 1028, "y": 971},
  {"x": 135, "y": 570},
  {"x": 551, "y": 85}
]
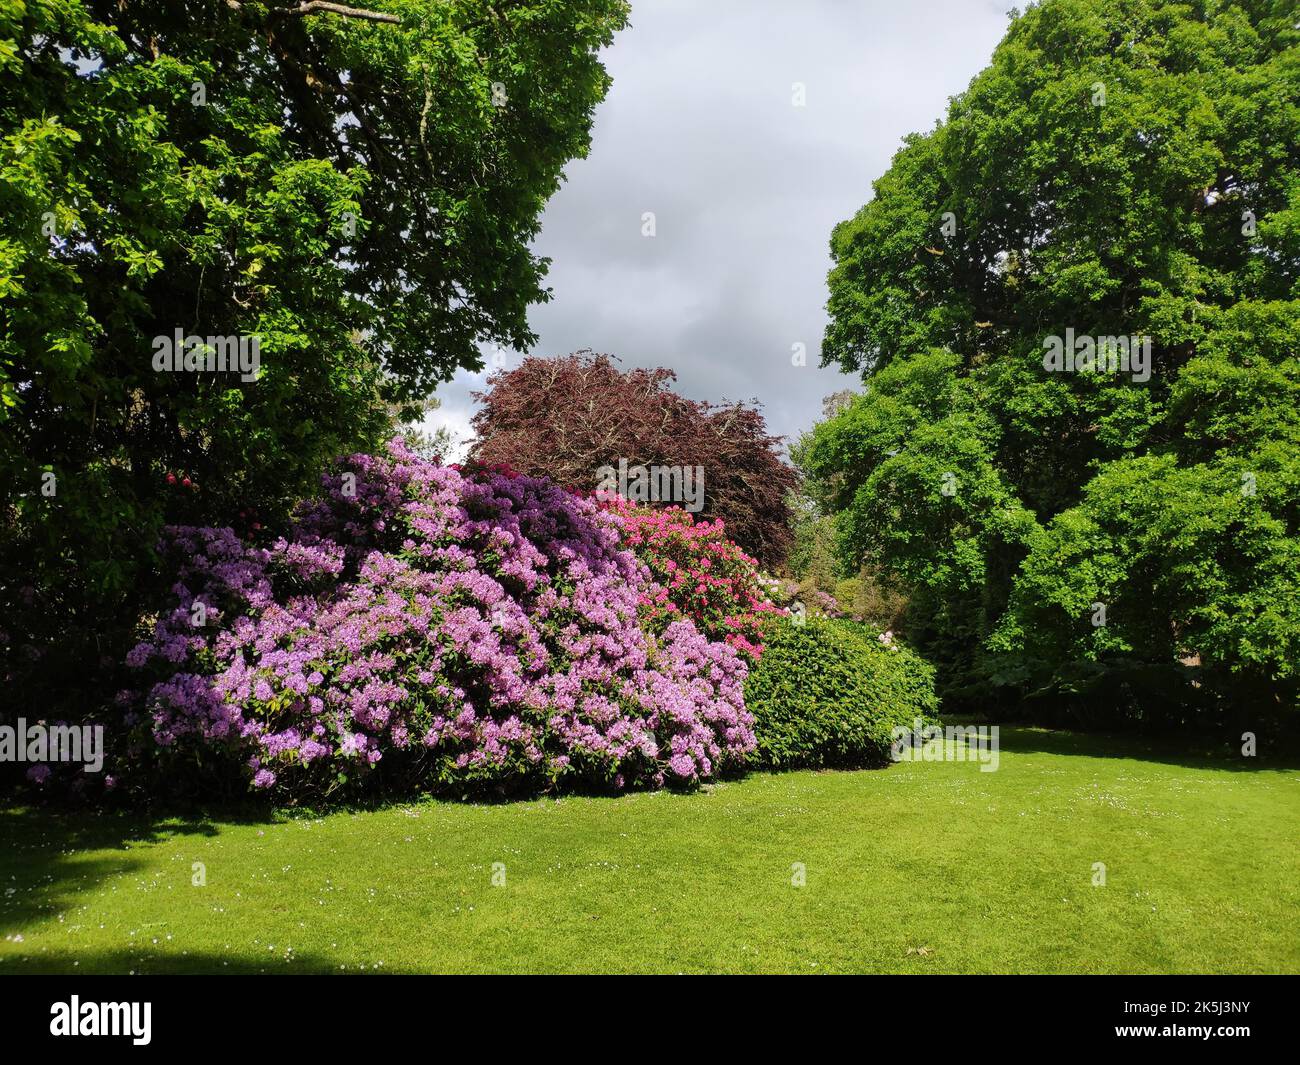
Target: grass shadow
[
  {"x": 1199, "y": 752},
  {"x": 124, "y": 963},
  {"x": 42, "y": 862}
]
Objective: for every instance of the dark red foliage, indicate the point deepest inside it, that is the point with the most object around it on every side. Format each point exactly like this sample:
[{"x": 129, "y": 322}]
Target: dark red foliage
[{"x": 566, "y": 417}]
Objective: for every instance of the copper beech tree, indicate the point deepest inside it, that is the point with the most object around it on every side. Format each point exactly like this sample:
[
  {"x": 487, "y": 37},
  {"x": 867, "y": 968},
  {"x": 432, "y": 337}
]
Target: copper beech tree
[{"x": 567, "y": 417}]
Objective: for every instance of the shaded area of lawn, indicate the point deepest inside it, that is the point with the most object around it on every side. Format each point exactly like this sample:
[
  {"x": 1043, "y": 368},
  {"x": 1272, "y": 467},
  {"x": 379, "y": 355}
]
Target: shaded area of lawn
[{"x": 921, "y": 867}]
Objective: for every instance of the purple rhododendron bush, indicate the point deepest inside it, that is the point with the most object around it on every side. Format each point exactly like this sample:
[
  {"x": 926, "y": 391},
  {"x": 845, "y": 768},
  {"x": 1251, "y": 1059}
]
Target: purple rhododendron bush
[{"x": 426, "y": 628}]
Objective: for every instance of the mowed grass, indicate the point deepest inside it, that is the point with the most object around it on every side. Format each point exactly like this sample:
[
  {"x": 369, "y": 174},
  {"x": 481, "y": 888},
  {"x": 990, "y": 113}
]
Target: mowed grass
[{"x": 921, "y": 867}]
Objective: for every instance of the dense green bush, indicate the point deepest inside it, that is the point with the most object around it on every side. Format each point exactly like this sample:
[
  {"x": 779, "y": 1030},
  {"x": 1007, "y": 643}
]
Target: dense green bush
[{"x": 827, "y": 693}]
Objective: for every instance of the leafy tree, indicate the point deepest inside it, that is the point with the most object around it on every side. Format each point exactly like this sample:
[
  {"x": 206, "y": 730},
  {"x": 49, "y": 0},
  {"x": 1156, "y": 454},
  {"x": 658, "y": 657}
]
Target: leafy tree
[
  {"x": 568, "y": 417},
  {"x": 355, "y": 188},
  {"x": 406, "y": 422},
  {"x": 1123, "y": 168},
  {"x": 812, "y": 551},
  {"x": 1187, "y": 554}
]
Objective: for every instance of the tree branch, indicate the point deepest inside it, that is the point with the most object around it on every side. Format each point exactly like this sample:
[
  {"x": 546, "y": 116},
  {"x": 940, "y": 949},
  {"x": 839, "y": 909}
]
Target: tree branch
[{"x": 308, "y": 7}]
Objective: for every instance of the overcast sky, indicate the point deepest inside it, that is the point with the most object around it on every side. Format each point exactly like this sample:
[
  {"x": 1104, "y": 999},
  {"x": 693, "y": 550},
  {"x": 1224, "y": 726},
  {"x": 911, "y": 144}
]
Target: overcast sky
[{"x": 700, "y": 128}]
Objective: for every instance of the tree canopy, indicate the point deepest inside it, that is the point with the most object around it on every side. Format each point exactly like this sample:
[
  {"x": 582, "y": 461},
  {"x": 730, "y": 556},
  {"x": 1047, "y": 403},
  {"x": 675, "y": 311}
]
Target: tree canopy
[
  {"x": 355, "y": 188},
  {"x": 567, "y": 418},
  {"x": 1124, "y": 168}
]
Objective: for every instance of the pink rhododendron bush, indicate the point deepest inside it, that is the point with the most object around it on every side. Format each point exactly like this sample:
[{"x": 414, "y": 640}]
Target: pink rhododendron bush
[
  {"x": 697, "y": 573},
  {"x": 422, "y": 627}
]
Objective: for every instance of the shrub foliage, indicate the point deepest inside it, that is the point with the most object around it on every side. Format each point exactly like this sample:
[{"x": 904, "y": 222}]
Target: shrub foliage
[
  {"x": 432, "y": 629},
  {"x": 698, "y": 574},
  {"x": 827, "y": 692}
]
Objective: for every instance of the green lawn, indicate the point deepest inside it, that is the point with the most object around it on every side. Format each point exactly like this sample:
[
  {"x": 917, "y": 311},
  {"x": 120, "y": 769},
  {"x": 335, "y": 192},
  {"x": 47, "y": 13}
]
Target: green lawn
[{"x": 921, "y": 867}]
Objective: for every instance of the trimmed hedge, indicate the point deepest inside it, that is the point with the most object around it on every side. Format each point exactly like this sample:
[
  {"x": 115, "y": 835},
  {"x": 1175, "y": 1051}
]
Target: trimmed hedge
[{"x": 827, "y": 693}]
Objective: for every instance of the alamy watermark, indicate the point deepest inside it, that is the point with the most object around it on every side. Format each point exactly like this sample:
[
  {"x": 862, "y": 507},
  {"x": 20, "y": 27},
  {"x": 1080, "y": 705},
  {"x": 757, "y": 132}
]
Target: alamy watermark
[
  {"x": 652, "y": 484},
  {"x": 937, "y": 743},
  {"x": 1075, "y": 353},
  {"x": 77, "y": 1018},
  {"x": 179, "y": 353},
  {"x": 53, "y": 743}
]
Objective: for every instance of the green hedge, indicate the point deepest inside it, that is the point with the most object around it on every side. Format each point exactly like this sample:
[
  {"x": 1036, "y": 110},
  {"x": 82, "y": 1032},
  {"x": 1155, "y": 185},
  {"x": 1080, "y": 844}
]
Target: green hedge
[{"x": 827, "y": 693}]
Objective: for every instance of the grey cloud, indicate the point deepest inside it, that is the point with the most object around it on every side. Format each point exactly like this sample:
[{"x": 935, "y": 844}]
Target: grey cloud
[{"x": 699, "y": 128}]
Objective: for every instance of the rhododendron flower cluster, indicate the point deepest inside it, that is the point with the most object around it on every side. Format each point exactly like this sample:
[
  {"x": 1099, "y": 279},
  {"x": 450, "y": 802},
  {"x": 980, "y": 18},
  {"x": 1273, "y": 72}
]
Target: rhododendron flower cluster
[
  {"x": 445, "y": 628},
  {"x": 699, "y": 574}
]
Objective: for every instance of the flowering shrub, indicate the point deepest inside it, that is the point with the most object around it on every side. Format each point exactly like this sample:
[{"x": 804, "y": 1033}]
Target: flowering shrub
[
  {"x": 698, "y": 574},
  {"x": 447, "y": 628}
]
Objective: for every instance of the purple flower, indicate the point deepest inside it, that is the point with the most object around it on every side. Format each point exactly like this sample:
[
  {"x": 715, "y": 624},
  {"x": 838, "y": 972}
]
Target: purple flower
[{"x": 487, "y": 624}]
